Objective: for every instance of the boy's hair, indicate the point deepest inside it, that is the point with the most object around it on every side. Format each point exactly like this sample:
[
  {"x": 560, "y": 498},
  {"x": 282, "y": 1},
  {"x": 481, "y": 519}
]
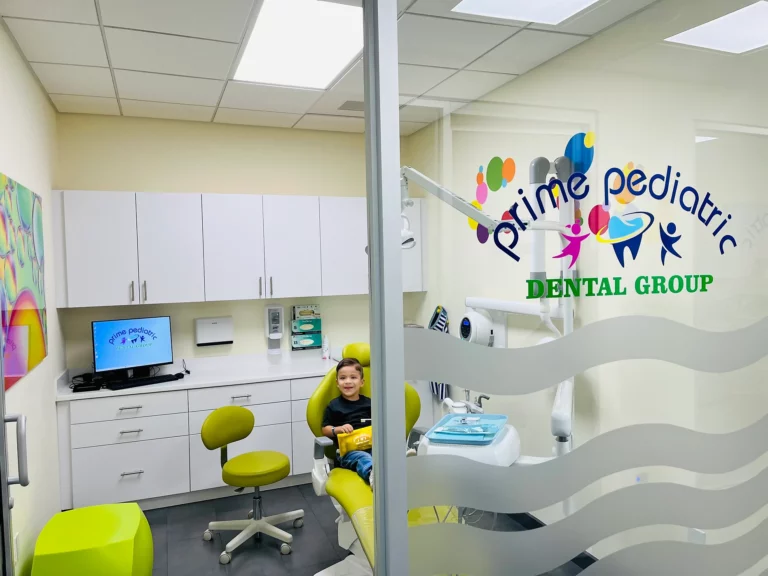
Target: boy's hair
[{"x": 350, "y": 362}]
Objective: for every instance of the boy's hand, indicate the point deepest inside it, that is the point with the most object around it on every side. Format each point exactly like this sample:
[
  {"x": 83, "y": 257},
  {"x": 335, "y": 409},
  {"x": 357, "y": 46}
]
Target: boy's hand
[{"x": 346, "y": 429}]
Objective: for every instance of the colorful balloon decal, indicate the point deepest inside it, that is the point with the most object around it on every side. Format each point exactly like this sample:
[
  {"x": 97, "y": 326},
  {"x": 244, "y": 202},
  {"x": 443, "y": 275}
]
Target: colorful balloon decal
[
  {"x": 496, "y": 176},
  {"x": 24, "y": 335}
]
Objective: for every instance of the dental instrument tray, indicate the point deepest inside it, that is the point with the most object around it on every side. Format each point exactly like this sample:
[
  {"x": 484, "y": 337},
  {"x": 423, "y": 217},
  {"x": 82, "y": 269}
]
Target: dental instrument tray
[{"x": 472, "y": 429}]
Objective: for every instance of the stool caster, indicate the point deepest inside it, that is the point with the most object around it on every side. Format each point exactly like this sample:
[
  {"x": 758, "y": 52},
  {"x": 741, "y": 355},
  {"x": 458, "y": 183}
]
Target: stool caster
[
  {"x": 250, "y": 515},
  {"x": 225, "y": 558},
  {"x": 298, "y": 523},
  {"x": 207, "y": 535},
  {"x": 285, "y": 549}
]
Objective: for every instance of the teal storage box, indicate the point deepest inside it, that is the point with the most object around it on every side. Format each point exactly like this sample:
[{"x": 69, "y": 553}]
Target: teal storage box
[
  {"x": 304, "y": 326},
  {"x": 306, "y": 341}
]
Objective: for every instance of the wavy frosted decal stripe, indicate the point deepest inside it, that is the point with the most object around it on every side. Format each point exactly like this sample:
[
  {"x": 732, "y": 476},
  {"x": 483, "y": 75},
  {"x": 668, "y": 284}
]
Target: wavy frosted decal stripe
[
  {"x": 676, "y": 558},
  {"x": 538, "y": 551},
  {"x": 527, "y": 488},
  {"x": 434, "y": 356}
]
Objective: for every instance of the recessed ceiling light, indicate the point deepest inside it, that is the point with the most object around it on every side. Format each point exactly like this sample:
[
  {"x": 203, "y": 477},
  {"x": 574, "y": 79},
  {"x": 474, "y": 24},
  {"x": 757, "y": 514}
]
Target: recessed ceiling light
[
  {"x": 539, "y": 11},
  {"x": 302, "y": 43},
  {"x": 700, "y": 139},
  {"x": 737, "y": 32}
]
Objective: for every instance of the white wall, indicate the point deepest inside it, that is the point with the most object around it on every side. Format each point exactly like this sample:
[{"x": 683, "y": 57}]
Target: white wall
[
  {"x": 146, "y": 155},
  {"x": 27, "y": 154}
]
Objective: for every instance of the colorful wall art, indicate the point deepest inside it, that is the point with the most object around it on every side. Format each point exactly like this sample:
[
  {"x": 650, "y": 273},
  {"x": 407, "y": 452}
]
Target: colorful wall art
[{"x": 22, "y": 281}]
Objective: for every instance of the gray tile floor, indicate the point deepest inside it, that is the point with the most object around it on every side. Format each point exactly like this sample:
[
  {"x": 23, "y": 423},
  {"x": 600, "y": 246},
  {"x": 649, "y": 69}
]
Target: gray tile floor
[{"x": 181, "y": 551}]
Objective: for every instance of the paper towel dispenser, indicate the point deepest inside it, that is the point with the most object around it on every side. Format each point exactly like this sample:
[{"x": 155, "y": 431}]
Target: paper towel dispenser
[{"x": 214, "y": 331}]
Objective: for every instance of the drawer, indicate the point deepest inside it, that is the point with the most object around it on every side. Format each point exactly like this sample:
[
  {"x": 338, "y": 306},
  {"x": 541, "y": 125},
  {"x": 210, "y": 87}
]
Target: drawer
[
  {"x": 303, "y": 388},
  {"x": 129, "y": 472},
  {"x": 132, "y": 430},
  {"x": 132, "y": 406},
  {"x": 242, "y": 395},
  {"x": 264, "y": 414},
  {"x": 205, "y": 465},
  {"x": 299, "y": 410}
]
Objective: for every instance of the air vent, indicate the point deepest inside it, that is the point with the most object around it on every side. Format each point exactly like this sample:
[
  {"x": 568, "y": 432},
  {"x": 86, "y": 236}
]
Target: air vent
[{"x": 353, "y": 106}]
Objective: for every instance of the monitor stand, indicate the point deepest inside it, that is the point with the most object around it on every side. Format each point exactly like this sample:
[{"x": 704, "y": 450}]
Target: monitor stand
[{"x": 144, "y": 372}]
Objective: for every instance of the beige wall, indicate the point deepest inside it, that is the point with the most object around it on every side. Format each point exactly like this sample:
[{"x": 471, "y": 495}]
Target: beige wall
[
  {"x": 27, "y": 153},
  {"x": 146, "y": 155}
]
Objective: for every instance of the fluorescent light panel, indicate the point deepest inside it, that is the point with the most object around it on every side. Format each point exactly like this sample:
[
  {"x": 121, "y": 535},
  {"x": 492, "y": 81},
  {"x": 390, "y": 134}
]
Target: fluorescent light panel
[
  {"x": 700, "y": 139},
  {"x": 737, "y": 32},
  {"x": 539, "y": 11},
  {"x": 303, "y": 43}
]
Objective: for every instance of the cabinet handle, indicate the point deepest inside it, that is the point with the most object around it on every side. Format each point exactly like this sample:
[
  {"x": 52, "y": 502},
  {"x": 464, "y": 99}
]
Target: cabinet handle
[
  {"x": 260, "y": 286},
  {"x": 271, "y": 292},
  {"x": 137, "y": 431},
  {"x": 21, "y": 449},
  {"x": 145, "y": 290},
  {"x": 241, "y": 396},
  {"x": 133, "y": 292},
  {"x": 134, "y": 473},
  {"x": 130, "y": 408}
]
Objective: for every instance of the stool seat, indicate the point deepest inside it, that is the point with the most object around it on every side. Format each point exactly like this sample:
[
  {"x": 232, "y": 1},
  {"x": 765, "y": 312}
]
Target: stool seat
[
  {"x": 111, "y": 539},
  {"x": 256, "y": 469}
]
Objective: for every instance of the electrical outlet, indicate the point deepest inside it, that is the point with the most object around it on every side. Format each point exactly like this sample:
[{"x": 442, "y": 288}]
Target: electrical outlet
[{"x": 15, "y": 549}]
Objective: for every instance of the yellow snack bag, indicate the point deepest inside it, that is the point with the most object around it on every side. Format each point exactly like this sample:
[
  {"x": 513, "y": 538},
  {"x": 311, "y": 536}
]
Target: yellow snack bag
[{"x": 361, "y": 439}]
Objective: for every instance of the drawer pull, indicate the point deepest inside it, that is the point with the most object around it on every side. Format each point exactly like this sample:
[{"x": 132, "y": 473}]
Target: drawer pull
[
  {"x": 135, "y": 473},
  {"x": 241, "y": 396},
  {"x": 130, "y": 408},
  {"x": 137, "y": 431}
]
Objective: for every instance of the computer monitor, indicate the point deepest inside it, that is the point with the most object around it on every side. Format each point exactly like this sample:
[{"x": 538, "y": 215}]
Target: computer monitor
[{"x": 129, "y": 344}]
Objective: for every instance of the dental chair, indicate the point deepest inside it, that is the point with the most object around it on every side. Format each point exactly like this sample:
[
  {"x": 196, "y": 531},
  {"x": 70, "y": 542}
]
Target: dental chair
[{"x": 351, "y": 495}]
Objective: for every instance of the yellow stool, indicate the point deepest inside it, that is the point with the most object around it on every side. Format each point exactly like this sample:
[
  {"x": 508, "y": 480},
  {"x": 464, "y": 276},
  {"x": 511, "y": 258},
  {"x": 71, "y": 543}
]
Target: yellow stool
[{"x": 114, "y": 540}]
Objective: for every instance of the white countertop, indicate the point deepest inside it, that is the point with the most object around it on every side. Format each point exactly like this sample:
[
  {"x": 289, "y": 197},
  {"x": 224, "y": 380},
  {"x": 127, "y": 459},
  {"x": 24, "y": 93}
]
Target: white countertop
[{"x": 219, "y": 371}]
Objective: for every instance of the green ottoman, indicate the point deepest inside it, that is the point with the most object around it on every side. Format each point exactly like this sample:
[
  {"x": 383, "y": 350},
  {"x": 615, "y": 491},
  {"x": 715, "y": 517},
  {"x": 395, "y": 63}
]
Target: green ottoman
[{"x": 109, "y": 540}]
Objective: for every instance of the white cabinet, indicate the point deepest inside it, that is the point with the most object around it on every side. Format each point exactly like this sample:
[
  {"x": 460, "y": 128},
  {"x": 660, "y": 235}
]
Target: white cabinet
[
  {"x": 100, "y": 237},
  {"x": 303, "y": 448},
  {"x": 205, "y": 465},
  {"x": 233, "y": 234},
  {"x": 413, "y": 258},
  {"x": 292, "y": 246},
  {"x": 170, "y": 233},
  {"x": 343, "y": 242}
]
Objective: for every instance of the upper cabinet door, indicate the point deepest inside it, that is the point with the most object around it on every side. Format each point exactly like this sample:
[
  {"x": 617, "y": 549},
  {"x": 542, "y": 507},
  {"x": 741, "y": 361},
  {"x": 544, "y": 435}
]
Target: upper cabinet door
[
  {"x": 292, "y": 246},
  {"x": 233, "y": 233},
  {"x": 101, "y": 255},
  {"x": 344, "y": 237},
  {"x": 170, "y": 228},
  {"x": 413, "y": 257}
]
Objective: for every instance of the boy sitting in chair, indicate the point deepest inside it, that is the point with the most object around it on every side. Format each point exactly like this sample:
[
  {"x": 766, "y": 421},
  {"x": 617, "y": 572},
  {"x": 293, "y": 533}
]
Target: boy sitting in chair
[{"x": 349, "y": 412}]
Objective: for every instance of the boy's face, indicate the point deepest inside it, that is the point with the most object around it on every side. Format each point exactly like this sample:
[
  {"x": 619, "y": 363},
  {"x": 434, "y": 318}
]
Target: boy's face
[{"x": 349, "y": 381}]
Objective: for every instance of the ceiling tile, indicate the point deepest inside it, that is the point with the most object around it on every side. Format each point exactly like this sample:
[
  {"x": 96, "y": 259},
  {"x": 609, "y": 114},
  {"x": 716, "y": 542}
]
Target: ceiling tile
[
  {"x": 245, "y": 96},
  {"x": 408, "y": 128},
  {"x": 149, "y": 52},
  {"x": 331, "y": 123},
  {"x": 77, "y": 11},
  {"x": 256, "y": 118},
  {"x": 445, "y": 8},
  {"x": 85, "y": 104},
  {"x": 469, "y": 85},
  {"x": 427, "y": 114},
  {"x": 213, "y": 19},
  {"x": 525, "y": 51},
  {"x": 59, "y": 43},
  {"x": 161, "y": 88},
  {"x": 418, "y": 79},
  {"x": 598, "y": 17},
  {"x": 448, "y": 43},
  {"x": 350, "y": 88},
  {"x": 167, "y": 111},
  {"x": 79, "y": 80}
]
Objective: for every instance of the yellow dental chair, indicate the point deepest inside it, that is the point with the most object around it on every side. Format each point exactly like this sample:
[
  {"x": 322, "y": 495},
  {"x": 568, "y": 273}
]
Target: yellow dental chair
[{"x": 351, "y": 495}]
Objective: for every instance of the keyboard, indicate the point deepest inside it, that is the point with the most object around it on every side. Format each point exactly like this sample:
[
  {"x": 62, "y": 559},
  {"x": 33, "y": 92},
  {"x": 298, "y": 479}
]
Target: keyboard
[{"x": 134, "y": 382}]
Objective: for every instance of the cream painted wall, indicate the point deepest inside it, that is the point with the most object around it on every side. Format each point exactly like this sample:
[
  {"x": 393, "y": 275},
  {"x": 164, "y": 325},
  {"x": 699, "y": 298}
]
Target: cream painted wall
[
  {"x": 27, "y": 154},
  {"x": 146, "y": 155}
]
